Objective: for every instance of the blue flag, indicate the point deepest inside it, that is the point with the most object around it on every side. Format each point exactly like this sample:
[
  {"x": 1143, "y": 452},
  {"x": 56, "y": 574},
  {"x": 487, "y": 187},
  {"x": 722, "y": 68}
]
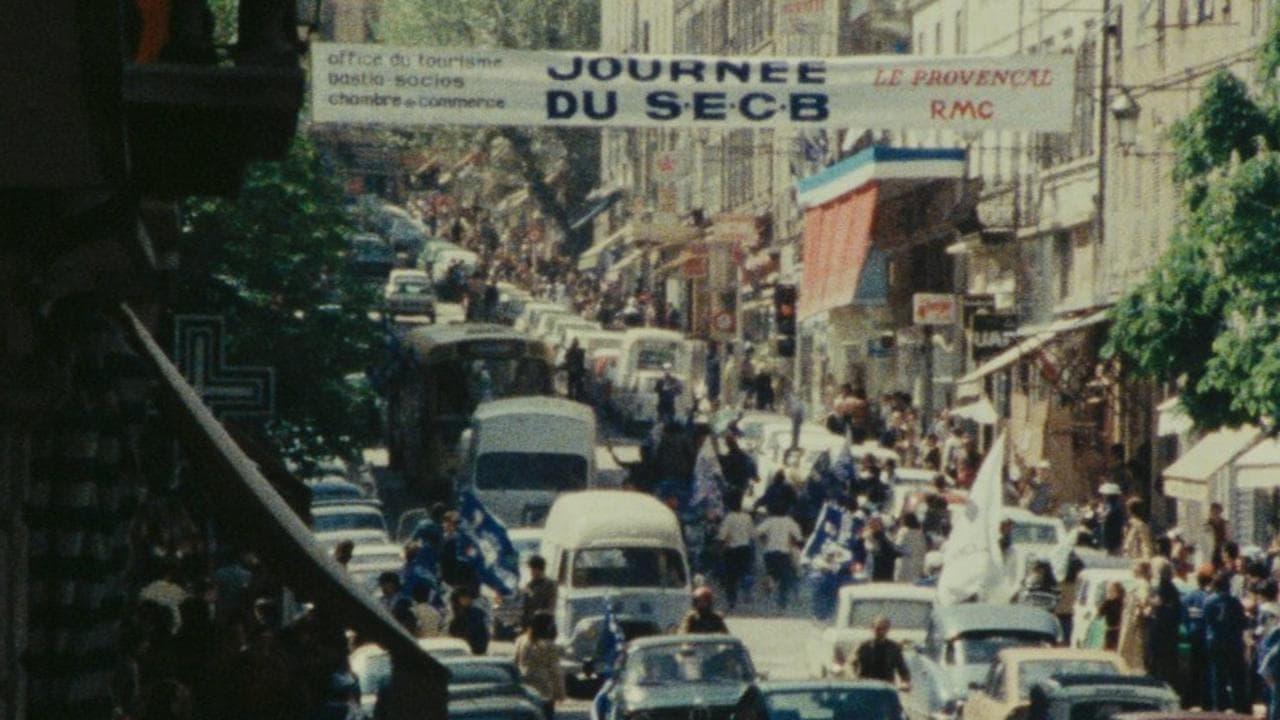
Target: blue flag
[
  {"x": 834, "y": 533},
  {"x": 484, "y": 544},
  {"x": 707, "y": 479},
  {"x": 608, "y": 648}
]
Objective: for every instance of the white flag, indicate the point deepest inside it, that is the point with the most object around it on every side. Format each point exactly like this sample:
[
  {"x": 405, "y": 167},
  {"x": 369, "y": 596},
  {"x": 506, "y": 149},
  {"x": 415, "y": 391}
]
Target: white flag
[{"x": 972, "y": 559}]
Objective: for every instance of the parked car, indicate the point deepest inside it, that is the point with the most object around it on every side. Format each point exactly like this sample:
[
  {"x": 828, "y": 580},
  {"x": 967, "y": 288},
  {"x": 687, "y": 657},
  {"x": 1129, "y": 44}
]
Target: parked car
[
  {"x": 372, "y": 665},
  {"x": 331, "y": 490},
  {"x": 371, "y": 559},
  {"x": 1006, "y": 692},
  {"x": 820, "y": 700},
  {"x": 493, "y": 708},
  {"x": 410, "y": 292},
  {"x": 370, "y": 256},
  {"x": 486, "y": 676},
  {"x": 1098, "y": 697},
  {"x": 360, "y": 523},
  {"x": 908, "y": 608},
  {"x": 680, "y": 675},
  {"x": 960, "y": 644}
]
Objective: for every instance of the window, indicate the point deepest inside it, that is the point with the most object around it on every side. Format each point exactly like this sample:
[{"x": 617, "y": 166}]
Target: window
[
  {"x": 1084, "y": 104},
  {"x": 920, "y": 49},
  {"x": 644, "y": 36},
  {"x": 1063, "y": 260},
  {"x": 937, "y": 38},
  {"x": 901, "y": 614},
  {"x": 531, "y": 471},
  {"x": 628, "y": 567},
  {"x": 959, "y": 44},
  {"x": 739, "y": 168}
]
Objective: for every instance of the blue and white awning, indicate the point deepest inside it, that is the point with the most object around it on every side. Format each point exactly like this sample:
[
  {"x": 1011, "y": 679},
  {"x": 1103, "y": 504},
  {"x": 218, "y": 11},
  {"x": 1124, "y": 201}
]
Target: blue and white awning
[{"x": 879, "y": 163}]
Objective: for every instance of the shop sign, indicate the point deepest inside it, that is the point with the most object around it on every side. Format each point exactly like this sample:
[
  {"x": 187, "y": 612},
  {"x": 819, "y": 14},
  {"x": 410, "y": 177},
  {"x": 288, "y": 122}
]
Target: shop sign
[
  {"x": 416, "y": 86},
  {"x": 992, "y": 333},
  {"x": 933, "y": 309}
]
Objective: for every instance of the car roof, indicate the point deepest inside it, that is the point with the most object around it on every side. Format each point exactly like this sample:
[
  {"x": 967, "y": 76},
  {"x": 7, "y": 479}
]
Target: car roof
[
  {"x": 955, "y": 620},
  {"x": 558, "y": 407},
  {"x": 345, "y": 508},
  {"x": 653, "y": 334},
  {"x": 375, "y": 549},
  {"x": 782, "y": 686},
  {"x": 1013, "y": 656},
  {"x": 893, "y": 591},
  {"x": 692, "y": 639},
  {"x": 430, "y": 336},
  {"x": 597, "y": 516}
]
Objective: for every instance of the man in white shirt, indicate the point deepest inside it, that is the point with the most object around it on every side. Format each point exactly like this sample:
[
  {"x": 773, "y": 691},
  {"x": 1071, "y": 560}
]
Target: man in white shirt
[
  {"x": 736, "y": 534},
  {"x": 780, "y": 535}
]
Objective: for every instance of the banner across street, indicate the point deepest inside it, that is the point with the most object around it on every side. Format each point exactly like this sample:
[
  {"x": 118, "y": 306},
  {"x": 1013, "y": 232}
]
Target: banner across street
[{"x": 388, "y": 85}]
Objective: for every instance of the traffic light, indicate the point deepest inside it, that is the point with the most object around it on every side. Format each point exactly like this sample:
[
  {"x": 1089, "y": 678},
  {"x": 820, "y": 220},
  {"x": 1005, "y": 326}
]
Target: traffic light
[{"x": 784, "y": 310}]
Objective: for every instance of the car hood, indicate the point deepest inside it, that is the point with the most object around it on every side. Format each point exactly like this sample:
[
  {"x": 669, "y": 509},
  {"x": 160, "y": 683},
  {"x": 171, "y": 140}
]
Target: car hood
[{"x": 680, "y": 695}]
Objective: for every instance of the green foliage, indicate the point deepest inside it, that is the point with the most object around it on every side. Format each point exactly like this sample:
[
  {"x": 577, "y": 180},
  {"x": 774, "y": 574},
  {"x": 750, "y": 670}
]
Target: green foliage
[
  {"x": 271, "y": 261},
  {"x": 1204, "y": 316},
  {"x": 517, "y": 24}
]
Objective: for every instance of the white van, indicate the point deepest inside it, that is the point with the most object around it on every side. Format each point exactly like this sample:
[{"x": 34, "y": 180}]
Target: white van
[
  {"x": 617, "y": 547},
  {"x": 644, "y": 353},
  {"x": 523, "y": 452}
]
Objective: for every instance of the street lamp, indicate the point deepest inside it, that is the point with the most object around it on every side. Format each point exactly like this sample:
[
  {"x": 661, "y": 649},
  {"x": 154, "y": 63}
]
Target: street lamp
[{"x": 1125, "y": 110}]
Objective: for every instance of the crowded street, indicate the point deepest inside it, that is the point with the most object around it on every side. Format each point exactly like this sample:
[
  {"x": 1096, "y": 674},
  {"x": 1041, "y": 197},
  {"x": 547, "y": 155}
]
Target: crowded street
[{"x": 640, "y": 360}]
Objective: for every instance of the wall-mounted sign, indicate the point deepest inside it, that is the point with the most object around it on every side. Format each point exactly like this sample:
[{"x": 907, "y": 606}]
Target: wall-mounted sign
[
  {"x": 992, "y": 333},
  {"x": 933, "y": 309},
  {"x": 408, "y": 86}
]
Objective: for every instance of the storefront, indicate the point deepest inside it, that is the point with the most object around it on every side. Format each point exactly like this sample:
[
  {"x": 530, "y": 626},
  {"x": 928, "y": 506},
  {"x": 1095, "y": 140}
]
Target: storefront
[{"x": 1204, "y": 474}]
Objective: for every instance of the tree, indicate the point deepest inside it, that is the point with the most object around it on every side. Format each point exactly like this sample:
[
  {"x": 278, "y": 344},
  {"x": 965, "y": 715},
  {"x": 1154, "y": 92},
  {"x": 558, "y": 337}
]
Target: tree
[
  {"x": 559, "y": 165},
  {"x": 271, "y": 262},
  {"x": 1205, "y": 316}
]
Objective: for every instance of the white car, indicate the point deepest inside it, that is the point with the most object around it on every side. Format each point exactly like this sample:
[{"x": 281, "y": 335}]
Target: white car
[
  {"x": 359, "y": 522},
  {"x": 372, "y": 665},
  {"x": 409, "y": 292},
  {"x": 755, "y": 424},
  {"x": 907, "y": 607}
]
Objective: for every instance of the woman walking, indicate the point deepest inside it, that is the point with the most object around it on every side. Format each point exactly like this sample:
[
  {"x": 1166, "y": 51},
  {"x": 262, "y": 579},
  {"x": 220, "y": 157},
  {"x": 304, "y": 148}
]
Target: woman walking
[
  {"x": 539, "y": 661},
  {"x": 1133, "y": 622}
]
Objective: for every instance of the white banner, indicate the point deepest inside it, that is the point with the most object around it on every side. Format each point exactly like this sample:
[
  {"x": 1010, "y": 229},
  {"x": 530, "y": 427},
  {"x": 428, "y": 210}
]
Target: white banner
[
  {"x": 387, "y": 85},
  {"x": 972, "y": 560}
]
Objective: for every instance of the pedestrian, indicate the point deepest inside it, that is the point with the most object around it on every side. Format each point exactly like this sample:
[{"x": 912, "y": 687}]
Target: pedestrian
[
  {"x": 1164, "y": 618},
  {"x": 575, "y": 364},
  {"x": 539, "y": 594},
  {"x": 538, "y": 660},
  {"x": 738, "y": 468},
  {"x": 1216, "y": 534},
  {"x": 429, "y": 621},
  {"x": 1224, "y": 629},
  {"x": 343, "y": 551},
  {"x": 779, "y": 497},
  {"x": 702, "y": 617},
  {"x": 466, "y": 621},
  {"x": 858, "y": 416},
  {"x": 842, "y": 409},
  {"x": 1133, "y": 626},
  {"x": 712, "y": 374},
  {"x": 735, "y": 535},
  {"x": 764, "y": 389},
  {"x": 747, "y": 377},
  {"x": 881, "y": 658},
  {"x": 1113, "y": 519},
  {"x": 1065, "y": 609},
  {"x": 912, "y": 547},
  {"x": 1137, "y": 544},
  {"x": 780, "y": 536},
  {"x": 882, "y": 555},
  {"x": 1111, "y": 613},
  {"x": 1194, "y": 689},
  {"x": 668, "y": 389},
  {"x": 931, "y": 454}
]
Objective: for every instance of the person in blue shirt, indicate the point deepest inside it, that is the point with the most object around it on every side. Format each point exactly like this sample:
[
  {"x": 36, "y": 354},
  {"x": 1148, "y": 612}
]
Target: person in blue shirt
[
  {"x": 1224, "y": 628},
  {"x": 1193, "y": 690}
]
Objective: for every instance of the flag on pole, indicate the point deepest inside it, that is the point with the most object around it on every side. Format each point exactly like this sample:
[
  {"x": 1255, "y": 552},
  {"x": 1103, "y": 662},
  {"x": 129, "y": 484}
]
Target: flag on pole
[
  {"x": 485, "y": 544},
  {"x": 972, "y": 560},
  {"x": 833, "y": 535},
  {"x": 608, "y": 647},
  {"x": 707, "y": 478}
]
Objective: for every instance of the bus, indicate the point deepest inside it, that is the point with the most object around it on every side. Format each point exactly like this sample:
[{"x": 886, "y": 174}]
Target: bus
[{"x": 443, "y": 372}]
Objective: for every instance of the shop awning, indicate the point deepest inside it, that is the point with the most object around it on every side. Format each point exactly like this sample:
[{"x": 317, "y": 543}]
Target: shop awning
[
  {"x": 1214, "y": 452},
  {"x": 1259, "y": 467},
  {"x": 839, "y": 216},
  {"x": 625, "y": 262},
  {"x": 596, "y": 203},
  {"x": 1171, "y": 419},
  {"x": 247, "y": 505},
  {"x": 980, "y": 411},
  {"x": 591, "y": 256},
  {"x": 1042, "y": 336}
]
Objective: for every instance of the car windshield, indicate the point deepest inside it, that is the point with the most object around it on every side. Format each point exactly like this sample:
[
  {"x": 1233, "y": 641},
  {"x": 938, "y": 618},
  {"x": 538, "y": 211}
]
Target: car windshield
[
  {"x": 702, "y": 662},
  {"x": 413, "y": 288},
  {"x": 1107, "y": 709},
  {"x": 352, "y": 520},
  {"x": 1030, "y": 673},
  {"x": 902, "y": 614},
  {"x": 1034, "y": 534},
  {"x": 834, "y": 705},
  {"x": 482, "y": 673},
  {"x": 653, "y": 357},
  {"x": 628, "y": 567},
  {"x": 982, "y": 648},
  {"x": 531, "y": 471}
]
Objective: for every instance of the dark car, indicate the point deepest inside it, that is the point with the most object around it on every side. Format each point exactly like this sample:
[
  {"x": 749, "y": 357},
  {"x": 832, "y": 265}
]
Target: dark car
[
  {"x": 1099, "y": 697},
  {"x": 820, "y": 700},
  {"x": 492, "y": 708},
  {"x": 328, "y": 490},
  {"x": 679, "y": 676},
  {"x": 484, "y": 677},
  {"x": 370, "y": 256}
]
